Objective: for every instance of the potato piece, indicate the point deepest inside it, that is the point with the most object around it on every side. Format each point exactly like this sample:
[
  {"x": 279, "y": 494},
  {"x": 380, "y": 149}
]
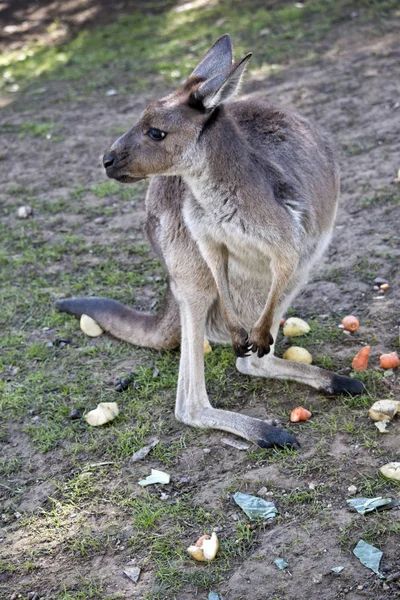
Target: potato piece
[
  {"x": 104, "y": 413},
  {"x": 205, "y": 549},
  {"x": 391, "y": 471},
  {"x": 207, "y": 347},
  {"x": 295, "y": 326},
  {"x": 90, "y": 327},
  {"x": 384, "y": 410},
  {"x": 297, "y": 354}
]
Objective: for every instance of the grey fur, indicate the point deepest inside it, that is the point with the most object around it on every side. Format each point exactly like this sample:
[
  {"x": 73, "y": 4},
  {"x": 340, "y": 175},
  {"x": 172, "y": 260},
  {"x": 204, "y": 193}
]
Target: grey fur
[{"x": 240, "y": 206}]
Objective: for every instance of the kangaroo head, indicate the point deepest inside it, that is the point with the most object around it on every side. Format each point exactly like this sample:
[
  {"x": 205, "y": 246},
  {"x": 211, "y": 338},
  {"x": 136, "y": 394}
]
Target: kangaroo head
[{"x": 164, "y": 141}]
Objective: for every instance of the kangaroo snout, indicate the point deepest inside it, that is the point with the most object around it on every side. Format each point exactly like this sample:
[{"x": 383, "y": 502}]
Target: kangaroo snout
[{"x": 108, "y": 159}]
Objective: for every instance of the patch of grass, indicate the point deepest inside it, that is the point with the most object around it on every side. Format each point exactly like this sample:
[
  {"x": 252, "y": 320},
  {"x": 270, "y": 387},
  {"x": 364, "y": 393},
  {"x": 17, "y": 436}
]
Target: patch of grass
[
  {"x": 34, "y": 129},
  {"x": 375, "y": 530},
  {"x": 386, "y": 195},
  {"x": 10, "y": 466},
  {"x": 90, "y": 61}
]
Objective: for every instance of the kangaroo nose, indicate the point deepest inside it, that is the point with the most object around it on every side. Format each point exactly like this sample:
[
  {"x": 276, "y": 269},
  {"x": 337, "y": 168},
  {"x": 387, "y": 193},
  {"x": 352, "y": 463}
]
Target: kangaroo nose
[{"x": 108, "y": 159}]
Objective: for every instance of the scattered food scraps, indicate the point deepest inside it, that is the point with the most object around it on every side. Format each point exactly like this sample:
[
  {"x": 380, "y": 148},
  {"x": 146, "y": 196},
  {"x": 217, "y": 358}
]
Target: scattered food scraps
[
  {"x": 235, "y": 444},
  {"x": 360, "y": 361},
  {"x": 254, "y": 507},
  {"x": 155, "y": 477},
  {"x": 382, "y": 426},
  {"x": 143, "y": 452},
  {"x": 205, "y": 549},
  {"x": 369, "y": 556},
  {"x": 384, "y": 286},
  {"x": 366, "y": 505},
  {"x": 389, "y": 361},
  {"x": 281, "y": 563},
  {"x": 337, "y": 570},
  {"x": 133, "y": 573},
  {"x": 104, "y": 413},
  {"x": 295, "y": 326},
  {"x": 297, "y": 354},
  {"x": 90, "y": 327},
  {"x": 300, "y": 414},
  {"x": 207, "y": 347},
  {"x": 384, "y": 410},
  {"x": 391, "y": 471},
  {"x": 24, "y": 212},
  {"x": 352, "y": 490},
  {"x": 351, "y": 323}
]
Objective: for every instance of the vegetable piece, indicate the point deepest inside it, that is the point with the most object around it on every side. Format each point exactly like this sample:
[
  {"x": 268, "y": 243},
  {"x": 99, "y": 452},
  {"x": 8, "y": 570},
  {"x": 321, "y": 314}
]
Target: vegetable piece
[
  {"x": 205, "y": 549},
  {"x": 391, "y": 471},
  {"x": 297, "y": 354},
  {"x": 104, "y": 413},
  {"x": 90, "y": 327},
  {"x": 255, "y": 507},
  {"x": 360, "y": 361},
  {"x": 155, "y": 477},
  {"x": 368, "y": 555},
  {"x": 351, "y": 323},
  {"x": 300, "y": 414},
  {"x": 294, "y": 326},
  {"x": 389, "y": 361},
  {"x": 384, "y": 286},
  {"x": 384, "y": 410},
  {"x": 207, "y": 347}
]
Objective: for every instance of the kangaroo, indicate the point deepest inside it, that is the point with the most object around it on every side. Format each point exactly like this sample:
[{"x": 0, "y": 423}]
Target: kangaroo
[{"x": 241, "y": 203}]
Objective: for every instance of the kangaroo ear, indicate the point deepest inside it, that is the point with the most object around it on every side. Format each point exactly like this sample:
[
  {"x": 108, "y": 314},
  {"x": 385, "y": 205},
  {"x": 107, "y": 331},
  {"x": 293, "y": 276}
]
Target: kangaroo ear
[
  {"x": 218, "y": 58},
  {"x": 222, "y": 86}
]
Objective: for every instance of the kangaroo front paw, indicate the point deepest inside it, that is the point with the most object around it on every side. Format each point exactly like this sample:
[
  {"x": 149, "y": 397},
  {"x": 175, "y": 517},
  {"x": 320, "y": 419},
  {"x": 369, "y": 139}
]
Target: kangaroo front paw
[
  {"x": 261, "y": 342},
  {"x": 240, "y": 342},
  {"x": 274, "y": 437}
]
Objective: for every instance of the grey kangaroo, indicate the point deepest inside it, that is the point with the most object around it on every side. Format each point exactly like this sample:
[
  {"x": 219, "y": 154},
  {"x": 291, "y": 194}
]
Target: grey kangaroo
[{"x": 241, "y": 204}]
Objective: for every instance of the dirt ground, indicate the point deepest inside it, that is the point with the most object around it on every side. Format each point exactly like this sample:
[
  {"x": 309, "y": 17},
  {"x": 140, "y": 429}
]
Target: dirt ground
[{"x": 73, "y": 516}]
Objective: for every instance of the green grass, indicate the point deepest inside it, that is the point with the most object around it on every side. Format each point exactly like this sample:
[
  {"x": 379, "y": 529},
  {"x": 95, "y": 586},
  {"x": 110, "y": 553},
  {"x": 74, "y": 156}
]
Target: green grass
[{"x": 89, "y": 61}]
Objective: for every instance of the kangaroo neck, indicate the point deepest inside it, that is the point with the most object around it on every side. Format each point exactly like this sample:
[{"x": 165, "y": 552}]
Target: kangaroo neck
[{"x": 221, "y": 172}]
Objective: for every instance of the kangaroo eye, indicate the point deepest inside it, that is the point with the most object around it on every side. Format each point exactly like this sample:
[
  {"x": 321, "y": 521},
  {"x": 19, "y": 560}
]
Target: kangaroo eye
[{"x": 156, "y": 134}]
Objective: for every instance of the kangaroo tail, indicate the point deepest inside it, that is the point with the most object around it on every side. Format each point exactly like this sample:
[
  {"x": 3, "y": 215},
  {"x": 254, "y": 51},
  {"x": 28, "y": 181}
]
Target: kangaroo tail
[{"x": 159, "y": 331}]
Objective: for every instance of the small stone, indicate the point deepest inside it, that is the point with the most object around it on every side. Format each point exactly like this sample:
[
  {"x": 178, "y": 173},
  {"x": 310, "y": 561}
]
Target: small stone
[
  {"x": 111, "y": 92},
  {"x": 24, "y": 212},
  {"x": 49, "y": 344},
  {"x": 311, "y": 486},
  {"x": 376, "y": 287},
  {"x": 317, "y": 578},
  {"x": 45, "y": 328},
  {"x": 14, "y": 596},
  {"x": 352, "y": 490},
  {"x": 75, "y": 414},
  {"x": 206, "y": 450},
  {"x": 133, "y": 573},
  {"x": 380, "y": 281},
  {"x": 262, "y": 491},
  {"x": 99, "y": 221},
  {"x": 122, "y": 384}
]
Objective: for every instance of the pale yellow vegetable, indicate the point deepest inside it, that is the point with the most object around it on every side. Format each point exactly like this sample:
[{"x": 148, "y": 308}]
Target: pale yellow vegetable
[
  {"x": 297, "y": 354},
  {"x": 207, "y": 347},
  {"x": 205, "y": 549},
  {"x": 90, "y": 327},
  {"x": 295, "y": 326},
  {"x": 384, "y": 410},
  {"x": 382, "y": 426},
  {"x": 391, "y": 471},
  {"x": 104, "y": 413}
]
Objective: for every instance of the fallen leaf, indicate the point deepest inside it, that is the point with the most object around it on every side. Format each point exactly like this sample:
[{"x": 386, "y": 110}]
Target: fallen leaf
[
  {"x": 365, "y": 505},
  {"x": 281, "y": 563},
  {"x": 337, "y": 570},
  {"x": 369, "y": 556},
  {"x": 143, "y": 452},
  {"x": 254, "y": 507}
]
